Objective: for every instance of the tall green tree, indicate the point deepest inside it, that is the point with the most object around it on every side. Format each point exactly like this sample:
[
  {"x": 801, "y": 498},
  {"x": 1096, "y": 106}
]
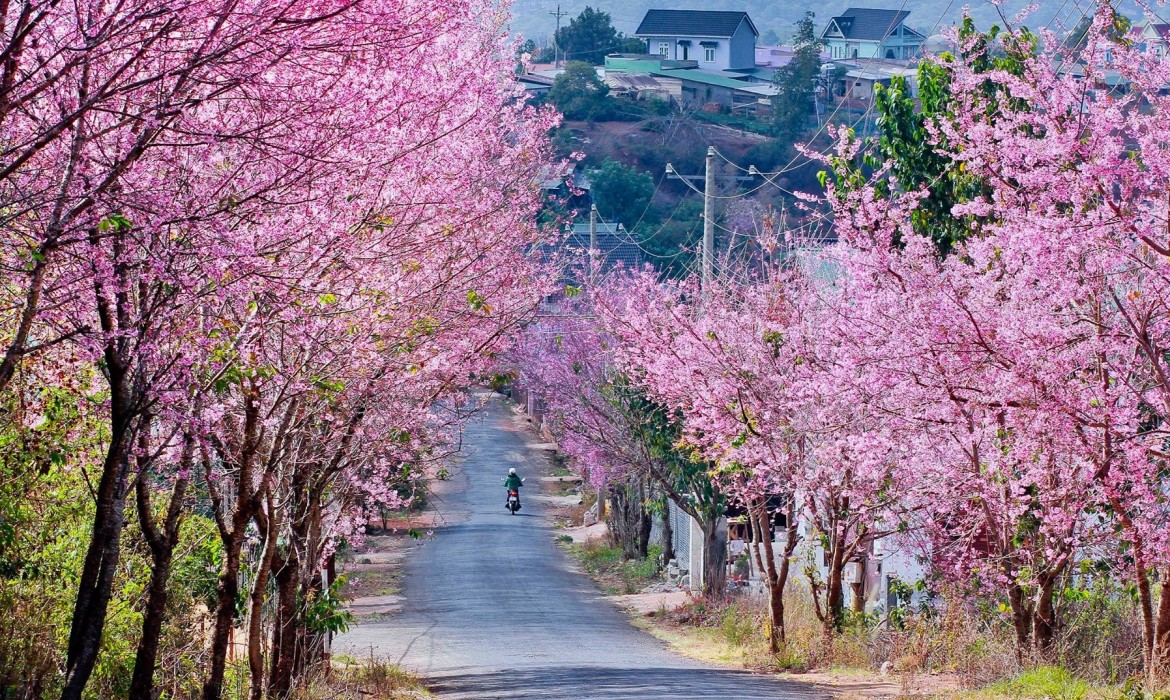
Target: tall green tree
[
  {"x": 589, "y": 37},
  {"x": 904, "y": 123},
  {"x": 579, "y": 94},
  {"x": 795, "y": 82},
  {"x": 621, "y": 193}
]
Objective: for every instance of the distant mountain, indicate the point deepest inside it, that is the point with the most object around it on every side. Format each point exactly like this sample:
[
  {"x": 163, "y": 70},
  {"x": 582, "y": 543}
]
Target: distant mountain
[{"x": 532, "y": 18}]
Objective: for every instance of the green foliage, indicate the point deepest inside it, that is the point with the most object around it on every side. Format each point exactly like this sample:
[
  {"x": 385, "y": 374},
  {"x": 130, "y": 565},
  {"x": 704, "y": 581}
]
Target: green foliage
[
  {"x": 660, "y": 432},
  {"x": 672, "y": 244},
  {"x": 1046, "y": 682},
  {"x": 795, "y": 83},
  {"x": 621, "y": 193},
  {"x": 738, "y": 626},
  {"x": 579, "y": 94},
  {"x": 195, "y": 574},
  {"x": 46, "y": 512},
  {"x": 905, "y": 144},
  {"x": 1119, "y": 32},
  {"x": 325, "y": 611},
  {"x": 589, "y": 37},
  {"x": 605, "y": 562}
]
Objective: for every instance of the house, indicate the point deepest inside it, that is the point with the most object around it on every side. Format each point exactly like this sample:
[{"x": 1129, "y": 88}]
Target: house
[
  {"x": 616, "y": 247},
  {"x": 1152, "y": 37},
  {"x": 871, "y": 33},
  {"x": 535, "y": 85},
  {"x": 859, "y": 83},
  {"x": 875, "y": 573},
  {"x": 688, "y": 84},
  {"x": 717, "y": 40}
]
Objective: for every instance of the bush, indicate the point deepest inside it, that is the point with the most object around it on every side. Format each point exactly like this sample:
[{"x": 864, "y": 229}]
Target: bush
[
  {"x": 604, "y": 562},
  {"x": 1048, "y": 682}
]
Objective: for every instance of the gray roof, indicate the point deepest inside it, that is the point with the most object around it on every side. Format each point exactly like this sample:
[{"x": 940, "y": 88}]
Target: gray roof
[
  {"x": 615, "y": 246},
  {"x": 868, "y": 24},
  {"x": 692, "y": 23}
]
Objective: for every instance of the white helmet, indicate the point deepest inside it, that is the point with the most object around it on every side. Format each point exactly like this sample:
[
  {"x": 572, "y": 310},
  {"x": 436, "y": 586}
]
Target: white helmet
[{"x": 512, "y": 471}]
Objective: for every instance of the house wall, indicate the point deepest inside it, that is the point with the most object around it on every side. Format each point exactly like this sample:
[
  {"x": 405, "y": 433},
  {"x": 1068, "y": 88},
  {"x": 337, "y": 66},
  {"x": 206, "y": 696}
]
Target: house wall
[
  {"x": 742, "y": 51},
  {"x": 737, "y": 52},
  {"x": 1149, "y": 40},
  {"x": 902, "y": 44},
  {"x": 845, "y": 48},
  {"x": 696, "y": 94}
]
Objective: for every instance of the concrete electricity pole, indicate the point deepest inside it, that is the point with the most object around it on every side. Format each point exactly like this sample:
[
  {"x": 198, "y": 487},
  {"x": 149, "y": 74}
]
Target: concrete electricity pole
[
  {"x": 592, "y": 235},
  {"x": 557, "y": 44},
  {"x": 708, "y": 218},
  {"x": 708, "y": 253}
]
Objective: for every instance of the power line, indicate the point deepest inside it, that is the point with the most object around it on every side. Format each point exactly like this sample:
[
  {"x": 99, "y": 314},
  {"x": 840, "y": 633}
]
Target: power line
[
  {"x": 556, "y": 42},
  {"x": 790, "y": 165}
]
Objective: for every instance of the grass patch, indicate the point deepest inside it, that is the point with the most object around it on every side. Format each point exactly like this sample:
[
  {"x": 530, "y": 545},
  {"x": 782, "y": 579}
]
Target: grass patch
[
  {"x": 1043, "y": 683},
  {"x": 371, "y": 679},
  {"x": 559, "y": 465},
  {"x": 604, "y": 563}
]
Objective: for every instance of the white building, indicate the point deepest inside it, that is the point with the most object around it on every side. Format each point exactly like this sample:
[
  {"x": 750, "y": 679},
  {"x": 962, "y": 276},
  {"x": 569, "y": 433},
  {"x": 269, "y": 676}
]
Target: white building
[
  {"x": 715, "y": 40},
  {"x": 871, "y": 33}
]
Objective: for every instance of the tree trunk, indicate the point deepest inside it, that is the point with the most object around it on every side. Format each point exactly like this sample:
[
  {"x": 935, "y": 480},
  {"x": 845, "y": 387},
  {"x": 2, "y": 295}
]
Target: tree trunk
[
  {"x": 227, "y": 593},
  {"x": 162, "y": 548},
  {"x": 1021, "y": 619},
  {"x": 102, "y": 556},
  {"x": 232, "y": 532},
  {"x": 1159, "y": 667},
  {"x": 667, "y": 536},
  {"x": 714, "y": 558},
  {"x": 18, "y": 346},
  {"x": 284, "y": 628},
  {"x": 1044, "y": 617},
  {"x": 775, "y": 578},
  {"x": 271, "y": 529},
  {"x": 627, "y": 520},
  {"x": 857, "y": 595},
  {"x": 834, "y": 589},
  {"x": 645, "y": 526}
]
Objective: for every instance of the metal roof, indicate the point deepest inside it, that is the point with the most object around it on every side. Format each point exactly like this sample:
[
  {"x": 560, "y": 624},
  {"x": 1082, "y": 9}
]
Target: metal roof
[
  {"x": 710, "y": 23},
  {"x": 866, "y": 24},
  {"x": 712, "y": 78},
  {"x": 615, "y": 246}
]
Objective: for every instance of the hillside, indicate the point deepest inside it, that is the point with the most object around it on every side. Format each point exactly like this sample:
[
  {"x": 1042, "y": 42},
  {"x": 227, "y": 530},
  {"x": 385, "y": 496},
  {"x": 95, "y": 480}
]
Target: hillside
[{"x": 532, "y": 18}]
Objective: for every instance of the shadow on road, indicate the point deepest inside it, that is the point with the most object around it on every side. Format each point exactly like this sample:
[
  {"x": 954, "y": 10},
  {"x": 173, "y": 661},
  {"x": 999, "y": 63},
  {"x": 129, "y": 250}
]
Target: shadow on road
[{"x": 611, "y": 683}]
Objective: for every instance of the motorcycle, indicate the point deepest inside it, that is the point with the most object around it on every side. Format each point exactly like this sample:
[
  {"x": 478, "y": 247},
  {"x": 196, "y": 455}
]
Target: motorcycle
[{"x": 513, "y": 500}]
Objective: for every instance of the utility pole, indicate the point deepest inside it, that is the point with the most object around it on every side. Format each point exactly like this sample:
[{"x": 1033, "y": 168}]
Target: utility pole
[
  {"x": 592, "y": 235},
  {"x": 708, "y": 218},
  {"x": 556, "y": 43},
  {"x": 708, "y": 209}
]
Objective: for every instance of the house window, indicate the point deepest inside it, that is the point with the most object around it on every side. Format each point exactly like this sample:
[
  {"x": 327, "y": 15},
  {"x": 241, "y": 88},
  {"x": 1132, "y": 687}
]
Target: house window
[
  {"x": 709, "y": 54},
  {"x": 664, "y": 48}
]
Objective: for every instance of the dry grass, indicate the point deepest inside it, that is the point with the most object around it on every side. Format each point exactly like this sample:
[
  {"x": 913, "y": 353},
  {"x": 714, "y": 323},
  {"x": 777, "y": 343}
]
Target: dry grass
[{"x": 370, "y": 679}]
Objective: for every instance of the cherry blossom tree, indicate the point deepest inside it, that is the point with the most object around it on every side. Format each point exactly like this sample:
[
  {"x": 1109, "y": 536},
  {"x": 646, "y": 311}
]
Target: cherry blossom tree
[{"x": 260, "y": 220}]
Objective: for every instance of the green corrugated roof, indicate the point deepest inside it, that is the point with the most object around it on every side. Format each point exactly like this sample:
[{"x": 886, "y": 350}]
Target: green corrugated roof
[{"x": 706, "y": 78}]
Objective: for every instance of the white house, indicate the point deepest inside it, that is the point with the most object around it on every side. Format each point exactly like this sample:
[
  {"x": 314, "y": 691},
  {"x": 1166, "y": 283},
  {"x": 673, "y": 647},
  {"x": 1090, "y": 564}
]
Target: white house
[
  {"x": 871, "y": 33},
  {"x": 1153, "y": 37},
  {"x": 716, "y": 40}
]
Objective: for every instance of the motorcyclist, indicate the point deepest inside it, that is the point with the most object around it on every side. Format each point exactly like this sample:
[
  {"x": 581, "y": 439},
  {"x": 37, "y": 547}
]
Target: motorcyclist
[{"x": 512, "y": 481}]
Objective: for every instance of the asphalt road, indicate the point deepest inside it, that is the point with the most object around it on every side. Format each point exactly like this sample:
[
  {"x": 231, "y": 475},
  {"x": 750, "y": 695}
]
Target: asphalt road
[{"x": 494, "y": 610}]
